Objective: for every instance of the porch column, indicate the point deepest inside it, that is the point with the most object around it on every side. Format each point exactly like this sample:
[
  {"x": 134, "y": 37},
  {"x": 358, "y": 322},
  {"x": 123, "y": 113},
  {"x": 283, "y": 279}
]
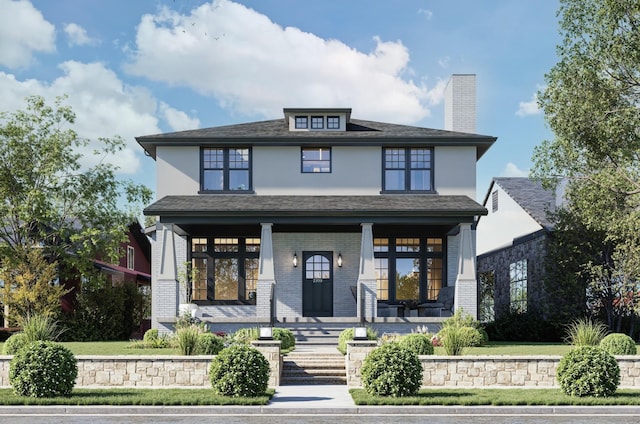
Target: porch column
[
  {"x": 165, "y": 291},
  {"x": 367, "y": 307},
  {"x": 266, "y": 273},
  {"x": 466, "y": 293}
]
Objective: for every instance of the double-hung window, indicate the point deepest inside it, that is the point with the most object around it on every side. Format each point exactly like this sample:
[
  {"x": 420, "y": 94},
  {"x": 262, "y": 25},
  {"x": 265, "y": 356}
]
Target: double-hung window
[
  {"x": 226, "y": 169},
  {"x": 408, "y": 169}
]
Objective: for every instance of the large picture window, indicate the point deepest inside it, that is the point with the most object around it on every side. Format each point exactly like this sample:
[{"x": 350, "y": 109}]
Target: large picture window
[
  {"x": 226, "y": 269},
  {"x": 316, "y": 159},
  {"x": 226, "y": 169},
  {"x": 408, "y": 269},
  {"x": 408, "y": 169}
]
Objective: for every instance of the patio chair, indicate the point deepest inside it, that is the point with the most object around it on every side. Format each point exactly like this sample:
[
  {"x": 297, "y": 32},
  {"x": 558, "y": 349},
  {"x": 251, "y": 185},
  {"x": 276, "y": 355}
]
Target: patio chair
[{"x": 442, "y": 307}]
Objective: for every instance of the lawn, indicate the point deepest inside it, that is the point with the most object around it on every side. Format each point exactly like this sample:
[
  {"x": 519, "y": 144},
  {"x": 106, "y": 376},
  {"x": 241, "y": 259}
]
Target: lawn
[{"x": 496, "y": 397}]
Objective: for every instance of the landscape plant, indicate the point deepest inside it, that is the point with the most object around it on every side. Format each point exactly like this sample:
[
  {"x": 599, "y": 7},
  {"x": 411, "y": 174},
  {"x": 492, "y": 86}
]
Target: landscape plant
[
  {"x": 239, "y": 371},
  {"x": 392, "y": 370},
  {"x": 41, "y": 327},
  {"x": 619, "y": 344},
  {"x": 419, "y": 343},
  {"x": 585, "y": 332},
  {"x": 209, "y": 344},
  {"x": 43, "y": 369},
  {"x": 349, "y": 333},
  {"x": 588, "y": 371},
  {"x": 245, "y": 335},
  {"x": 187, "y": 339},
  {"x": 14, "y": 343},
  {"x": 286, "y": 337}
]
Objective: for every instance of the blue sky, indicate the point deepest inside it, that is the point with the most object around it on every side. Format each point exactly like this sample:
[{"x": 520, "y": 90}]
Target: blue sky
[{"x": 142, "y": 67}]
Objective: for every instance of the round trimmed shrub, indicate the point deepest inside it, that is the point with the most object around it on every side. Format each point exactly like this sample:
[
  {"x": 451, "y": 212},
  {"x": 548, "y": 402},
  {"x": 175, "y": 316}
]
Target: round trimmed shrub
[
  {"x": 14, "y": 343},
  {"x": 348, "y": 334},
  {"x": 239, "y": 371},
  {"x": 286, "y": 337},
  {"x": 150, "y": 336},
  {"x": 209, "y": 344},
  {"x": 392, "y": 370},
  {"x": 43, "y": 369},
  {"x": 420, "y": 344},
  {"x": 588, "y": 371},
  {"x": 619, "y": 344}
]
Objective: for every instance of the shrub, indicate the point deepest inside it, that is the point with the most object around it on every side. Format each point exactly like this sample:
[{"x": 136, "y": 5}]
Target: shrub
[
  {"x": 348, "y": 335},
  {"x": 245, "y": 335},
  {"x": 418, "y": 343},
  {"x": 187, "y": 339},
  {"x": 209, "y": 344},
  {"x": 392, "y": 370},
  {"x": 43, "y": 369},
  {"x": 619, "y": 344},
  {"x": 286, "y": 337},
  {"x": 14, "y": 343},
  {"x": 468, "y": 327},
  {"x": 41, "y": 327},
  {"x": 585, "y": 332},
  {"x": 239, "y": 371},
  {"x": 454, "y": 339},
  {"x": 588, "y": 371},
  {"x": 150, "y": 336},
  {"x": 522, "y": 327}
]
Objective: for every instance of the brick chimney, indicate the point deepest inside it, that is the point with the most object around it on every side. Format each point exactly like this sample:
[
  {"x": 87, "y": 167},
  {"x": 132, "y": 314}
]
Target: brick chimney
[{"x": 460, "y": 103}]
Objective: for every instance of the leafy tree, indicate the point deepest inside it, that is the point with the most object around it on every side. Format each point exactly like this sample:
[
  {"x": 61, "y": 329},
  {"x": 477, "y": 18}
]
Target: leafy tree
[
  {"x": 50, "y": 200},
  {"x": 591, "y": 104}
]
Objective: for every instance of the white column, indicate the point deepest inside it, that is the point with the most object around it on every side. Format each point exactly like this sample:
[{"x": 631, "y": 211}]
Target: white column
[
  {"x": 466, "y": 292},
  {"x": 367, "y": 285},
  {"x": 266, "y": 272}
]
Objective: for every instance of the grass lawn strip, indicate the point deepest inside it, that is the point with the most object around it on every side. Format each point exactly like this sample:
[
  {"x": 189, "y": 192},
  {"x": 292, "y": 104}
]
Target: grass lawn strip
[
  {"x": 146, "y": 397},
  {"x": 496, "y": 397}
]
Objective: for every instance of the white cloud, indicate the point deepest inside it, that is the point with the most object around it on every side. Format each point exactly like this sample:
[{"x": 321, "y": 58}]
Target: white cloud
[
  {"x": 102, "y": 110},
  {"x": 78, "y": 36},
  {"x": 529, "y": 108},
  {"x": 512, "y": 170},
  {"x": 177, "y": 119},
  {"x": 266, "y": 68},
  {"x": 426, "y": 12},
  {"x": 443, "y": 62},
  {"x": 23, "y": 31}
]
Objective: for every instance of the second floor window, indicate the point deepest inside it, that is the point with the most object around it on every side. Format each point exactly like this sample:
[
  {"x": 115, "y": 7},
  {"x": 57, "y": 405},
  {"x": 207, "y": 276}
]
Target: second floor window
[
  {"x": 408, "y": 169},
  {"x": 226, "y": 169},
  {"x": 316, "y": 159}
]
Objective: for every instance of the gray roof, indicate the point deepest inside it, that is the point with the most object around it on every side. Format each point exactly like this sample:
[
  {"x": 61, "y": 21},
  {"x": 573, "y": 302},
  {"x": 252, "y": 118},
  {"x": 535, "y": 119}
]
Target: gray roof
[
  {"x": 531, "y": 196},
  {"x": 226, "y": 208},
  {"x": 276, "y": 132}
]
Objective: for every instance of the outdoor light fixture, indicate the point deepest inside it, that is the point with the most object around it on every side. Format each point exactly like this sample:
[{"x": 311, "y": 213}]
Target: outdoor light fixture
[
  {"x": 266, "y": 333},
  {"x": 339, "y": 259},
  {"x": 360, "y": 333},
  {"x": 295, "y": 259}
]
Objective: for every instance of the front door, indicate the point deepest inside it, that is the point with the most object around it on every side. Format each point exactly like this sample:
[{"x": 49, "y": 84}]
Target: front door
[{"x": 317, "y": 284}]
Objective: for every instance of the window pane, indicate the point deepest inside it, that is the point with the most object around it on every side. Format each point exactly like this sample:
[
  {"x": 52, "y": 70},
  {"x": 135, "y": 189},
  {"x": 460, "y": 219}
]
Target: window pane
[
  {"x": 421, "y": 158},
  {"x": 199, "y": 279},
  {"x": 317, "y": 122},
  {"x": 213, "y": 180},
  {"x": 199, "y": 245},
  {"x": 333, "y": 122},
  {"x": 407, "y": 279},
  {"x": 238, "y": 180},
  {"x": 394, "y": 159},
  {"x": 225, "y": 245},
  {"x": 301, "y": 122},
  {"x": 253, "y": 244},
  {"x": 226, "y": 278},
  {"x": 518, "y": 286},
  {"x": 421, "y": 180},
  {"x": 238, "y": 158},
  {"x": 407, "y": 245},
  {"x": 213, "y": 158},
  {"x": 394, "y": 180},
  {"x": 382, "y": 278},
  {"x": 316, "y": 160},
  {"x": 434, "y": 245},
  {"x": 317, "y": 266},
  {"x": 380, "y": 245},
  {"x": 434, "y": 277},
  {"x": 251, "y": 278}
]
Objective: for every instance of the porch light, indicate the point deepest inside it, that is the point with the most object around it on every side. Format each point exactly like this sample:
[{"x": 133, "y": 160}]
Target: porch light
[
  {"x": 266, "y": 333},
  {"x": 295, "y": 259},
  {"x": 360, "y": 333},
  {"x": 339, "y": 259}
]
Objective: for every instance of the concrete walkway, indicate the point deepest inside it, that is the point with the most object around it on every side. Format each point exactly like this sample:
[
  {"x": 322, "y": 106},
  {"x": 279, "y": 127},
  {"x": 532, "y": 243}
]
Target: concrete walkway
[{"x": 311, "y": 396}]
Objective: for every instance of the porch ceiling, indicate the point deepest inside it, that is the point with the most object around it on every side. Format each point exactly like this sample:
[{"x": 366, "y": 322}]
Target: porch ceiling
[{"x": 250, "y": 208}]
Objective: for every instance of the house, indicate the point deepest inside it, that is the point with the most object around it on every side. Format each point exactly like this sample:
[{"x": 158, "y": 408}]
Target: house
[
  {"x": 511, "y": 244},
  {"x": 316, "y": 214}
]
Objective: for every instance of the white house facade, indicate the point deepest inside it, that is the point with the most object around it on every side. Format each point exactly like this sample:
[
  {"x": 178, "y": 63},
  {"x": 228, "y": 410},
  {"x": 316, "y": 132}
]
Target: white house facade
[{"x": 315, "y": 214}]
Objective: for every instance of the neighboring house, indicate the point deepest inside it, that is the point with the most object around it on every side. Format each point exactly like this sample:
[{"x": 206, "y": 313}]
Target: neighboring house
[
  {"x": 511, "y": 244},
  {"x": 316, "y": 214}
]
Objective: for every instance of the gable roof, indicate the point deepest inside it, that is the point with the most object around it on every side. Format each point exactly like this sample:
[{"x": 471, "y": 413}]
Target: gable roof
[
  {"x": 530, "y": 195},
  {"x": 276, "y": 133}
]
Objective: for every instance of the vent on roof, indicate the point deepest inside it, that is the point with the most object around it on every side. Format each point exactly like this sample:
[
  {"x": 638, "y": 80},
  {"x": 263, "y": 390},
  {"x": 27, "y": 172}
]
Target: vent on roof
[{"x": 494, "y": 201}]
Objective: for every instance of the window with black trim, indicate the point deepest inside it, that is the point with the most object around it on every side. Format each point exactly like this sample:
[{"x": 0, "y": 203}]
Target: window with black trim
[
  {"x": 317, "y": 122},
  {"x": 518, "y": 277},
  {"x": 333, "y": 122},
  {"x": 226, "y": 169},
  {"x": 302, "y": 122},
  {"x": 225, "y": 269},
  {"x": 408, "y": 169},
  {"x": 316, "y": 159}
]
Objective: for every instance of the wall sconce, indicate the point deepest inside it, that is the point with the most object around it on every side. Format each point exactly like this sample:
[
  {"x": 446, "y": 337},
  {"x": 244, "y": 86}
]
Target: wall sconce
[
  {"x": 295, "y": 260},
  {"x": 339, "y": 259}
]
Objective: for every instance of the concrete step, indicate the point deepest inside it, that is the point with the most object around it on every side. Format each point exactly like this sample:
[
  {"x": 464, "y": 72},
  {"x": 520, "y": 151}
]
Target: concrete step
[{"x": 313, "y": 368}]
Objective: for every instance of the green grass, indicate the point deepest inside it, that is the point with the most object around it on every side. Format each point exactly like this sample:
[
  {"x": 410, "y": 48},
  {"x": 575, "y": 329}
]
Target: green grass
[
  {"x": 496, "y": 397},
  {"x": 168, "y": 397}
]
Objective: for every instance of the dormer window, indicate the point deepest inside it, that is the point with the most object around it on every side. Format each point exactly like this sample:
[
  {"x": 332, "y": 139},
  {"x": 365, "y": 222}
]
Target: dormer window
[
  {"x": 317, "y": 122},
  {"x": 333, "y": 122},
  {"x": 302, "y": 122}
]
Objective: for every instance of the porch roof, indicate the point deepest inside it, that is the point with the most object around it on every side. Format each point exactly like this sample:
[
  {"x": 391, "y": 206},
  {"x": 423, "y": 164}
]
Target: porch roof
[{"x": 248, "y": 208}]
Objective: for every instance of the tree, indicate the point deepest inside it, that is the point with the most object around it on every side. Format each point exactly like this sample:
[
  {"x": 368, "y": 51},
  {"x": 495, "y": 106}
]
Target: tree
[
  {"x": 591, "y": 104},
  {"x": 49, "y": 201}
]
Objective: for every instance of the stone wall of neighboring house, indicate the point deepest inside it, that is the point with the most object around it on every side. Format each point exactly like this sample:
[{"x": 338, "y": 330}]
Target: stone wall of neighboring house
[{"x": 530, "y": 248}]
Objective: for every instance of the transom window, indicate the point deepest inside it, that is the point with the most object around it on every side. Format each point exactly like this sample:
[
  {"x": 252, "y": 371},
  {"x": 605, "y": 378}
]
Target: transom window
[
  {"x": 302, "y": 122},
  {"x": 226, "y": 169},
  {"x": 408, "y": 169},
  {"x": 225, "y": 269},
  {"x": 316, "y": 159},
  {"x": 333, "y": 122},
  {"x": 317, "y": 122},
  {"x": 408, "y": 269}
]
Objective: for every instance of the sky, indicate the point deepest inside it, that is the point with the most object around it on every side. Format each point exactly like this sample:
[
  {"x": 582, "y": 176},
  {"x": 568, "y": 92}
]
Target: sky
[{"x": 132, "y": 68}]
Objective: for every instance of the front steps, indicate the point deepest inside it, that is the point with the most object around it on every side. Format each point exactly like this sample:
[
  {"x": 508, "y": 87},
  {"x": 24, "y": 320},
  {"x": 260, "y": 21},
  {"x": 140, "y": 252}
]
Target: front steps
[{"x": 306, "y": 368}]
